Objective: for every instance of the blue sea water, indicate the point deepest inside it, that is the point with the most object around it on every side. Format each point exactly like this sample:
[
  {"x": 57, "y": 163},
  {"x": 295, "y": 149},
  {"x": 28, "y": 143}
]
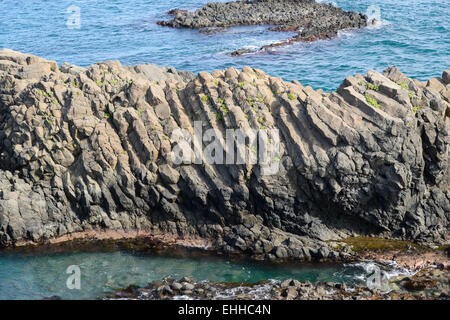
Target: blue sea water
[{"x": 413, "y": 34}]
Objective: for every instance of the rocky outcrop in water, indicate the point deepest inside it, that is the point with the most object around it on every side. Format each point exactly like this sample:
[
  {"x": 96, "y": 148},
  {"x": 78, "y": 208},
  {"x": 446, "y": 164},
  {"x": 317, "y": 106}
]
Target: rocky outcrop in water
[
  {"x": 85, "y": 149},
  {"x": 312, "y": 20}
]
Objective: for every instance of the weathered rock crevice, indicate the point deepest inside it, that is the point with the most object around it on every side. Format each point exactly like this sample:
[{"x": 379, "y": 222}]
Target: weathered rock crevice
[{"x": 89, "y": 149}]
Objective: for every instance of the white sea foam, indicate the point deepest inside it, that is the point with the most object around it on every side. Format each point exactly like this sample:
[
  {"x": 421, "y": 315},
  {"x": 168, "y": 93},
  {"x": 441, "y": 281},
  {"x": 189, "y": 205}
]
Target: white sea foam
[
  {"x": 346, "y": 33},
  {"x": 258, "y": 292},
  {"x": 378, "y": 24},
  {"x": 387, "y": 270},
  {"x": 334, "y": 3},
  {"x": 182, "y": 298}
]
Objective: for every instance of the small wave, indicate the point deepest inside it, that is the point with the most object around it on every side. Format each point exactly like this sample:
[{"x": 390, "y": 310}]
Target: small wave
[
  {"x": 378, "y": 24},
  {"x": 375, "y": 25},
  {"x": 260, "y": 46},
  {"x": 182, "y": 298},
  {"x": 333, "y": 3},
  {"x": 258, "y": 292},
  {"x": 387, "y": 270},
  {"x": 346, "y": 33}
]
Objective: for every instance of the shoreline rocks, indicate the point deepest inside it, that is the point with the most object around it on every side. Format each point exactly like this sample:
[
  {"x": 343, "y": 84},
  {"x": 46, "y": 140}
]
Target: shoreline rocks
[
  {"x": 428, "y": 284},
  {"x": 427, "y": 280},
  {"x": 312, "y": 20},
  {"x": 86, "y": 150}
]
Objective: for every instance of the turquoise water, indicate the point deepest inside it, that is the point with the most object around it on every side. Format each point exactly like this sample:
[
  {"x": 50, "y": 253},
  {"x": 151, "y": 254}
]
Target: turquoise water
[
  {"x": 36, "y": 276},
  {"x": 414, "y": 35}
]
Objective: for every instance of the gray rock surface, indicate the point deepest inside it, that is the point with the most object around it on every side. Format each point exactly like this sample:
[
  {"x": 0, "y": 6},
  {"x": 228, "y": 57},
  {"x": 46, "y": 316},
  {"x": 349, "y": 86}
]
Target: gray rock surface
[{"x": 87, "y": 150}]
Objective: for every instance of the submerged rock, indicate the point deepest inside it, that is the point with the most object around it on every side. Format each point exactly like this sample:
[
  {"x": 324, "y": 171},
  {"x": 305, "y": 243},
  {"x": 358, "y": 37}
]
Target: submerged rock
[
  {"x": 83, "y": 150},
  {"x": 312, "y": 20}
]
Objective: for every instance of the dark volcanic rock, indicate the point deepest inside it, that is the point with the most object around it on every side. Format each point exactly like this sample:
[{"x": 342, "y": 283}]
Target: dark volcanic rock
[
  {"x": 89, "y": 149},
  {"x": 312, "y": 20}
]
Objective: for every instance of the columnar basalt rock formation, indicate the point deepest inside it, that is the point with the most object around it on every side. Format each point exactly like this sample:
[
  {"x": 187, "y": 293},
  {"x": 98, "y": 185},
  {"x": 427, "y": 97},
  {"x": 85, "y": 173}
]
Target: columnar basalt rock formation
[
  {"x": 85, "y": 149},
  {"x": 311, "y": 20}
]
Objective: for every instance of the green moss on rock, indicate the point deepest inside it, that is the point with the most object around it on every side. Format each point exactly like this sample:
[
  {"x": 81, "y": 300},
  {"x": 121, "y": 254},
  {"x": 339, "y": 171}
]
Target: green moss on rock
[{"x": 379, "y": 244}]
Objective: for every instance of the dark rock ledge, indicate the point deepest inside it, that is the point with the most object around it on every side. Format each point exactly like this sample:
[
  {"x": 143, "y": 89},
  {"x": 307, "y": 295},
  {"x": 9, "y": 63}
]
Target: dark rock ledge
[
  {"x": 312, "y": 20},
  {"x": 85, "y": 152}
]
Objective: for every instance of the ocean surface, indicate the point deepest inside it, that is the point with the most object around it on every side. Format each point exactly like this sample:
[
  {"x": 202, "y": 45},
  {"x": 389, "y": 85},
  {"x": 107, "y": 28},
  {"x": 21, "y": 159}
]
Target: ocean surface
[
  {"x": 413, "y": 35},
  {"x": 37, "y": 276}
]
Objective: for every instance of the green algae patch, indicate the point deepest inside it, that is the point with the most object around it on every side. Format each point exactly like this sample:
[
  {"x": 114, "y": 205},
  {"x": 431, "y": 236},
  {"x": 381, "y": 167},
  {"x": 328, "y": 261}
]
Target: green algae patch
[{"x": 379, "y": 244}]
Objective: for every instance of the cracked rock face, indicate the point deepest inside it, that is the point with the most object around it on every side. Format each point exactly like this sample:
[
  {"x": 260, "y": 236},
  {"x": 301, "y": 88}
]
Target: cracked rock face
[{"x": 86, "y": 149}]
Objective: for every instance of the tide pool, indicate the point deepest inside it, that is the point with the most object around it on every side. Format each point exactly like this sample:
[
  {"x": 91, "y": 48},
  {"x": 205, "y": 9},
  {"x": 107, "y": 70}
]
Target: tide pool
[{"x": 36, "y": 276}]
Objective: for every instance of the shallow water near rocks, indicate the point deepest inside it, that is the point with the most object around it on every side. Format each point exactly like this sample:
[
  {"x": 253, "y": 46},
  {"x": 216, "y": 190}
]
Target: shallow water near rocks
[
  {"x": 412, "y": 35},
  {"x": 36, "y": 276}
]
